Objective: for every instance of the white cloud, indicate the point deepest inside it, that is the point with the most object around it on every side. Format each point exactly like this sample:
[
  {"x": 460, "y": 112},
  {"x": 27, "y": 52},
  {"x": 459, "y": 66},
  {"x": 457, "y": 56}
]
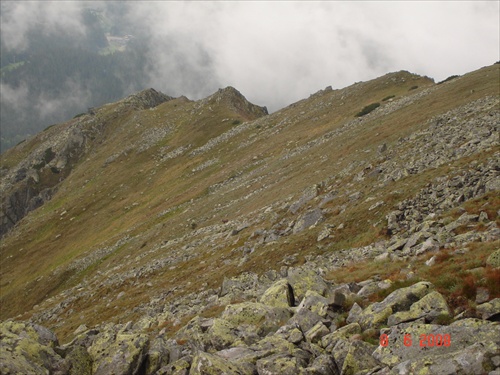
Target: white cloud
[
  {"x": 279, "y": 52},
  {"x": 19, "y": 17}
]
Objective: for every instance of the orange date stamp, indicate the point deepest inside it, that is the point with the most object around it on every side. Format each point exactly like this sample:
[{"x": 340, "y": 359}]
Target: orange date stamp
[{"x": 426, "y": 341}]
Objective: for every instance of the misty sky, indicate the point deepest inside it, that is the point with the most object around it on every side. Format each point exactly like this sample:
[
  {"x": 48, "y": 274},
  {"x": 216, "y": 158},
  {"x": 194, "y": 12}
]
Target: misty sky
[{"x": 276, "y": 53}]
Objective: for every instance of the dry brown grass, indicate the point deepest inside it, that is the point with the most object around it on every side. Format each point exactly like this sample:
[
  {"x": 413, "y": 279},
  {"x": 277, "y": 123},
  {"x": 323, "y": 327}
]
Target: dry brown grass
[{"x": 450, "y": 274}]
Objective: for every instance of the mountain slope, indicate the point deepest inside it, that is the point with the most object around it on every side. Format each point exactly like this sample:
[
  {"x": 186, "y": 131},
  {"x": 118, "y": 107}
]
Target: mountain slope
[{"x": 153, "y": 198}]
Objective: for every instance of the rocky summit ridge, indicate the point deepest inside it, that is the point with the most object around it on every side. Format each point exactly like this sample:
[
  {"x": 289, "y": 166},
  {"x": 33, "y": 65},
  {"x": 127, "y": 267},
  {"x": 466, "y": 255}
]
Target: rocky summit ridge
[{"x": 353, "y": 232}]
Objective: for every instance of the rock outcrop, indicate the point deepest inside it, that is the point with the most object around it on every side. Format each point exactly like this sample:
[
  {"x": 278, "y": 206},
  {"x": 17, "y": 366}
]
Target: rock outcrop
[{"x": 400, "y": 334}]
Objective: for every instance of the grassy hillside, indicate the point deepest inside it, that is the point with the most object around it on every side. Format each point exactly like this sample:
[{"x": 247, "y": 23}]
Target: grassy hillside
[{"x": 167, "y": 199}]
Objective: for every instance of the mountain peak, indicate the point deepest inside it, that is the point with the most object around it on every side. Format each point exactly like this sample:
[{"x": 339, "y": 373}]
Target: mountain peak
[
  {"x": 148, "y": 98},
  {"x": 237, "y": 102}
]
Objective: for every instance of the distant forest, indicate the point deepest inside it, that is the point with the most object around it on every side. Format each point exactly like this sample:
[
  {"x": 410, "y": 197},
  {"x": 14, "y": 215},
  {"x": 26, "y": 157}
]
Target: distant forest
[{"x": 60, "y": 75}]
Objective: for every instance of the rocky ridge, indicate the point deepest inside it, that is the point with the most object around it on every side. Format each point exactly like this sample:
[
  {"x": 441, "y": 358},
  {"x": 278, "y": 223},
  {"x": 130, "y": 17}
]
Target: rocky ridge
[{"x": 36, "y": 178}]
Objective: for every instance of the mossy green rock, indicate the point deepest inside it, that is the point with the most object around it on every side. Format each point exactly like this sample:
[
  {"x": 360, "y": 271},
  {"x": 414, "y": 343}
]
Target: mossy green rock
[
  {"x": 339, "y": 351},
  {"x": 81, "y": 361},
  {"x": 475, "y": 359},
  {"x": 179, "y": 367},
  {"x": 193, "y": 332},
  {"x": 315, "y": 302},
  {"x": 329, "y": 341},
  {"x": 264, "y": 318},
  {"x": 118, "y": 353},
  {"x": 359, "y": 358},
  {"x": 221, "y": 334},
  {"x": 271, "y": 345},
  {"x": 27, "y": 348},
  {"x": 280, "y": 364},
  {"x": 158, "y": 355},
  {"x": 303, "y": 280},
  {"x": 377, "y": 314},
  {"x": 280, "y": 294},
  {"x": 489, "y": 309},
  {"x": 209, "y": 364},
  {"x": 494, "y": 259},
  {"x": 374, "y": 316},
  {"x": 431, "y": 307},
  {"x": 317, "y": 332},
  {"x": 462, "y": 334}
]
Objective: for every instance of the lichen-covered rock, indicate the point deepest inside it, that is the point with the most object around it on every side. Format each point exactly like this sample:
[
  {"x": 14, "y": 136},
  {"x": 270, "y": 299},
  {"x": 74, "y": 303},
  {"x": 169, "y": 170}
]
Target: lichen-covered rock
[
  {"x": 242, "y": 356},
  {"x": 315, "y": 302},
  {"x": 374, "y": 316},
  {"x": 490, "y": 310},
  {"x": 323, "y": 365},
  {"x": 359, "y": 358},
  {"x": 221, "y": 334},
  {"x": 308, "y": 219},
  {"x": 354, "y": 313},
  {"x": 340, "y": 351},
  {"x": 291, "y": 333},
  {"x": 329, "y": 341},
  {"x": 305, "y": 319},
  {"x": 295, "y": 336},
  {"x": 263, "y": 318},
  {"x": 280, "y": 364},
  {"x": 272, "y": 345},
  {"x": 206, "y": 364},
  {"x": 80, "y": 360},
  {"x": 27, "y": 348},
  {"x": 280, "y": 294},
  {"x": 494, "y": 259},
  {"x": 412, "y": 341},
  {"x": 303, "y": 280},
  {"x": 194, "y": 331},
  {"x": 337, "y": 299},
  {"x": 377, "y": 314},
  {"x": 368, "y": 289},
  {"x": 317, "y": 332},
  {"x": 178, "y": 367},
  {"x": 430, "y": 307},
  {"x": 158, "y": 355},
  {"x": 236, "y": 287},
  {"x": 475, "y": 359},
  {"x": 118, "y": 353}
]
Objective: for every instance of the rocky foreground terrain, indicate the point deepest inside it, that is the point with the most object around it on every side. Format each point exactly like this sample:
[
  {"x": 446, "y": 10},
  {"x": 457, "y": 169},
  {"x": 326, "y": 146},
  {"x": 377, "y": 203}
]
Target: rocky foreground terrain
[{"x": 158, "y": 235}]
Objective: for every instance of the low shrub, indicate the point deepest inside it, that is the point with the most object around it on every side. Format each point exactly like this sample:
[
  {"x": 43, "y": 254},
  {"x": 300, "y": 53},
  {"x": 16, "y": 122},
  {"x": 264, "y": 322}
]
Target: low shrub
[
  {"x": 368, "y": 109},
  {"x": 469, "y": 287},
  {"x": 492, "y": 281}
]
